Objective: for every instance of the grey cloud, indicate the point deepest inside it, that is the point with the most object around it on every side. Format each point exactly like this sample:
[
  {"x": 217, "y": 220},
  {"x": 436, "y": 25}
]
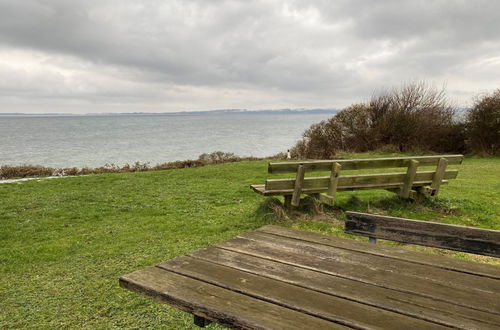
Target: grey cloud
[{"x": 193, "y": 54}]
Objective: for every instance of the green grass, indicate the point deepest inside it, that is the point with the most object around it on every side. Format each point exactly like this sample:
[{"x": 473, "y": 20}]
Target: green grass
[{"x": 65, "y": 242}]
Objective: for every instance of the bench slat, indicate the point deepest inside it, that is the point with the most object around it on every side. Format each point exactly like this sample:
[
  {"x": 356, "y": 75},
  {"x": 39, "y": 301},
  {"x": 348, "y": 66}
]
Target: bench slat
[
  {"x": 359, "y": 164},
  {"x": 261, "y": 189},
  {"x": 323, "y": 182},
  {"x": 214, "y": 303},
  {"x": 445, "y": 236}
]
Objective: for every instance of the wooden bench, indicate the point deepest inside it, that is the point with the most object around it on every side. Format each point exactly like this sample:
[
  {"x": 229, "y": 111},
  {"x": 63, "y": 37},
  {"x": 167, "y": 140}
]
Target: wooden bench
[
  {"x": 412, "y": 184},
  {"x": 444, "y": 236},
  {"x": 281, "y": 278}
]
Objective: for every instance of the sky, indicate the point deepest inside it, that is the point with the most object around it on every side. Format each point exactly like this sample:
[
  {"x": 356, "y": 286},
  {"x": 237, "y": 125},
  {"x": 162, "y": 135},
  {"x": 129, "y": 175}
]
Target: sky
[{"x": 94, "y": 56}]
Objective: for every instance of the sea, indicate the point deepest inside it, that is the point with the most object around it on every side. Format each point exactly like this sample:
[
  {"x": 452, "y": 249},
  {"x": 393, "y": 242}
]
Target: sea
[{"x": 96, "y": 140}]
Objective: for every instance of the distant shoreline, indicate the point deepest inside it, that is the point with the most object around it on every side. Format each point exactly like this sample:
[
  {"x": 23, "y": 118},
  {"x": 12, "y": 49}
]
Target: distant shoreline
[{"x": 180, "y": 113}]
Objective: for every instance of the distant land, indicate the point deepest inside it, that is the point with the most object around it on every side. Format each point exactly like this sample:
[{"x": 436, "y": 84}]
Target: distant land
[{"x": 181, "y": 113}]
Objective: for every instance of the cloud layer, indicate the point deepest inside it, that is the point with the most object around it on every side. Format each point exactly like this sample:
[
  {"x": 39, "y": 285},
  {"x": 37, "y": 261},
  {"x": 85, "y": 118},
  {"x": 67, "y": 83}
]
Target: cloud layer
[{"x": 151, "y": 55}]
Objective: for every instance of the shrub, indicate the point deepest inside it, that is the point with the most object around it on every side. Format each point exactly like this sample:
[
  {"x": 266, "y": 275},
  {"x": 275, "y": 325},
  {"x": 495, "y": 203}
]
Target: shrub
[
  {"x": 483, "y": 124},
  {"x": 415, "y": 117},
  {"x": 24, "y": 171},
  {"x": 217, "y": 157}
]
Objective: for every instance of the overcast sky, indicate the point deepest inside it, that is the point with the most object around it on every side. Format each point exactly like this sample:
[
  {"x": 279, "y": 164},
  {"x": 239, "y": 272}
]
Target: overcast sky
[{"x": 155, "y": 56}]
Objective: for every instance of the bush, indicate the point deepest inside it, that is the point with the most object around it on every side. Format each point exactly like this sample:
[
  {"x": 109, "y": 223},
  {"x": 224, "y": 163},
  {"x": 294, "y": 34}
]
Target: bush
[
  {"x": 415, "y": 117},
  {"x": 483, "y": 124}
]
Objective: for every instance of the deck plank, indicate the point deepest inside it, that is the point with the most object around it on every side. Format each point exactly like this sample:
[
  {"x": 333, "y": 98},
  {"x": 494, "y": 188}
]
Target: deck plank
[
  {"x": 315, "y": 259},
  {"x": 426, "y": 273},
  {"x": 217, "y": 304},
  {"x": 389, "y": 252},
  {"x": 335, "y": 309},
  {"x": 280, "y": 278},
  {"x": 400, "y": 302}
]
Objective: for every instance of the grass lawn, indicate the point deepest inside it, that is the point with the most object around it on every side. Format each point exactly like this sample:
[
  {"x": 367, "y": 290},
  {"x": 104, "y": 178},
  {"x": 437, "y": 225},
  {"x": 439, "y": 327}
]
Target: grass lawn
[{"x": 65, "y": 242}]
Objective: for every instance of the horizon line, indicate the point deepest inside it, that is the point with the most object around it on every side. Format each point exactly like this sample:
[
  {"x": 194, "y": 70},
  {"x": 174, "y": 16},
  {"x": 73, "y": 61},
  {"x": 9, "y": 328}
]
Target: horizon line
[{"x": 287, "y": 110}]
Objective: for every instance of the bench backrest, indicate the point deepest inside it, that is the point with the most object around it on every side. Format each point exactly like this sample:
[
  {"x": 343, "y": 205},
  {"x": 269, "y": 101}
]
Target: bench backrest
[
  {"x": 360, "y": 164},
  {"x": 366, "y": 181},
  {"x": 445, "y": 236}
]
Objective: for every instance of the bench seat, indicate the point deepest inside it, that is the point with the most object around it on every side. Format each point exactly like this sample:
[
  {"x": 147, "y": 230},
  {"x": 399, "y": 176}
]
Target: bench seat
[{"x": 261, "y": 188}]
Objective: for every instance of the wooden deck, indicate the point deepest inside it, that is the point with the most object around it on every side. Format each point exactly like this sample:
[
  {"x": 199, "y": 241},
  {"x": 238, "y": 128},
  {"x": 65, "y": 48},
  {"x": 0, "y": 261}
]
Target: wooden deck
[{"x": 279, "y": 278}]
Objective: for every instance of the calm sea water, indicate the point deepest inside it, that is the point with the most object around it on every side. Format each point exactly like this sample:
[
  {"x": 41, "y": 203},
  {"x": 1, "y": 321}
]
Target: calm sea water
[{"x": 97, "y": 140}]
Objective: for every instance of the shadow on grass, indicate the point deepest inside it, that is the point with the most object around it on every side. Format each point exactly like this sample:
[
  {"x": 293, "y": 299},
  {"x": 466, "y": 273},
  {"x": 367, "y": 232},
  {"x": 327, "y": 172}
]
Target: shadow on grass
[{"x": 273, "y": 210}]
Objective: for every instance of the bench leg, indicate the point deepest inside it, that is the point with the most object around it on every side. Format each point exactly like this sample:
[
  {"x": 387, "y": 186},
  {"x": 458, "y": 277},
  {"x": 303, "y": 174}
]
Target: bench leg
[
  {"x": 201, "y": 321},
  {"x": 288, "y": 201}
]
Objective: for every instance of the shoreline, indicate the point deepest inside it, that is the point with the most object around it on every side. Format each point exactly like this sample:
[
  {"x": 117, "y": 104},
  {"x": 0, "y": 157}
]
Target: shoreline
[
  {"x": 21, "y": 173},
  {"x": 38, "y": 178}
]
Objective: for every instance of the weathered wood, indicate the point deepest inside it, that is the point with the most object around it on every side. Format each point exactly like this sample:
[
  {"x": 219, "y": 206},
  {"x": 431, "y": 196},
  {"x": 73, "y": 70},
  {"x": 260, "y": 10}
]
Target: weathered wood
[
  {"x": 346, "y": 312},
  {"x": 281, "y": 278},
  {"x": 389, "y": 186},
  {"x": 329, "y": 197},
  {"x": 319, "y": 259},
  {"x": 404, "y": 268},
  {"x": 409, "y": 178},
  {"x": 391, "y": 300},
  {"x": 322, "y": 182},
  {"x": 445, "y": 236},
  {"x": 359, "y": 164},
  {"x": 217, "y": 304},
  {"x": 334, "y": 179},
  {"x": 326, "y": 199},
  {"x": 457, "y": 265},
  {"x": 438, "y": 176},
  {"x": 297, "y": 189},
  {"x": 407, "y": 185}
]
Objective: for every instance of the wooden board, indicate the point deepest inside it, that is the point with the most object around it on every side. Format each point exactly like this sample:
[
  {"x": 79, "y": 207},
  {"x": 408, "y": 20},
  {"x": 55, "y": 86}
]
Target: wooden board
[
  {"x": 346, "y": 312},
  {"x": 280, "y": 278},
  {"x": 443, "y": 287},
  {"x": 462, "y": 266},
  {"x": 445, "y": 236},
  {"x": 400, "y": 302},
  {"x": 261, "y": 189},
  {"x": 323, "y": 182},
  {"x": 217, "y": 304},
  {"x": 359, "y": 164}
]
